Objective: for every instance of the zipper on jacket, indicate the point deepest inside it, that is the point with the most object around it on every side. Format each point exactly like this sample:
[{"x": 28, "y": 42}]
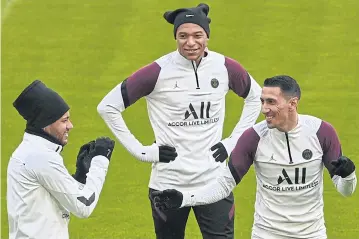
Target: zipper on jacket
[
  {"x": 290, "y": 154},
  {"x": 195, "y": 67}
]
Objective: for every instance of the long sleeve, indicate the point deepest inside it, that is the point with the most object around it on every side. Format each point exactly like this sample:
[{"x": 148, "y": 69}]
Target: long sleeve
[
  {"x": 243, "y": 84},
  {"x": 332, "y": 150},
  {"x": 214, "y": 192},
  {"x": 138, "y": 85},
  {"x": 239, "y": 163},
  {"x": 79, "y": 199}
]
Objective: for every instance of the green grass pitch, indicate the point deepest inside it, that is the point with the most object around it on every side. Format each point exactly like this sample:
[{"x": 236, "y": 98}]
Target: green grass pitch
[{"x": 84, "y": 48}]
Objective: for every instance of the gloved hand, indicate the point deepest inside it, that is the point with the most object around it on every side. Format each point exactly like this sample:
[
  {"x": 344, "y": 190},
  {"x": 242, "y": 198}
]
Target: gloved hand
[
  {"x": 343, "y": 167},
  {"x": 167, "y": 153},
  {"x": 104, "y": 146},
  {"x": 83, "y": 163},
  {"x": 167, "y": 199},
  {"x": 220, "y": 154},
  {"x": 101, "y": 146}
]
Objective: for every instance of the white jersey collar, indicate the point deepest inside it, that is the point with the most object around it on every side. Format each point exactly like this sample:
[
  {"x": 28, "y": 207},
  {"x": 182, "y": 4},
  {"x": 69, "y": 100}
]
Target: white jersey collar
[
  {"x": 181, "y": 60},
  {"x": 294, "y": 131},
  {"x": 39, "y": 140}
]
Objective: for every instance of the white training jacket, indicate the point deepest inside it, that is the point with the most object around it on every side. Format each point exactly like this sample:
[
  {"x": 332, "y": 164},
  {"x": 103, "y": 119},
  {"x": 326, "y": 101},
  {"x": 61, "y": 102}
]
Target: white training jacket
[
  {"x": 289, "y": 172},
  {"x": 186, "y": 108},
  {"x": 41, "y": 193}
]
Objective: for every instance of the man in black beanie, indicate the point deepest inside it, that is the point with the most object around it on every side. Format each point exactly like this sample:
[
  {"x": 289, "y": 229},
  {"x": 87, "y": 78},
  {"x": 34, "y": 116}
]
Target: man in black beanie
[
  {"x": 40, "y": 191},
  {"x": 186, "y": 92},
  {"x": 189, "y": 22},
  {"x": 42, "y": 108}
]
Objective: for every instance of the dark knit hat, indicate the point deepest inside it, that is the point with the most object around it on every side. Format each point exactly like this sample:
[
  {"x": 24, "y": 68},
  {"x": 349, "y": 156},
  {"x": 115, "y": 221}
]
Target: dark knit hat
[
  {"x": 39, "y": 105},
  {"x": 196, "y": 15}
]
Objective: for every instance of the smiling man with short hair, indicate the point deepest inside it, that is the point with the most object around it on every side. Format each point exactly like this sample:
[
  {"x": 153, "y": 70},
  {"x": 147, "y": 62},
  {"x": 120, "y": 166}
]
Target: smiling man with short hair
[
  {"x": 289, "y": 152},
  {"x": 185, "y": 92}
]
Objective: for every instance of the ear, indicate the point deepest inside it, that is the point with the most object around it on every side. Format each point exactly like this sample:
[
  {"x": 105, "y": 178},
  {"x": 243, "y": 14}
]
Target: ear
[
  {"x": 47, "y": 129},
  {"x": 293, "y": 104}
]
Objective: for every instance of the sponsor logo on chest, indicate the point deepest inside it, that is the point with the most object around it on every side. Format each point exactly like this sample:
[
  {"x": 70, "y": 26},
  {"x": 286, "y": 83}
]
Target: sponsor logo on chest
[
  {"x": 195, "y": 115},
  {"x": 291, "y": 179}
]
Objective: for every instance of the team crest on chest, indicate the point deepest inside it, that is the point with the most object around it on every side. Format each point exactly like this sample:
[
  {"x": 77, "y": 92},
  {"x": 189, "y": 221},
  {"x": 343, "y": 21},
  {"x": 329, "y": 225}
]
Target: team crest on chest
[
  {"x": 307, "y": 154},
  {"x": 214, "y": 83}
]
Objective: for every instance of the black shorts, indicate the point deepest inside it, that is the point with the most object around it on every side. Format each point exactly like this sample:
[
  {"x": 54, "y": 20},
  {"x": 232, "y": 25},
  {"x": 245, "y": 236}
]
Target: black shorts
[{"x": 215, "y": 220}]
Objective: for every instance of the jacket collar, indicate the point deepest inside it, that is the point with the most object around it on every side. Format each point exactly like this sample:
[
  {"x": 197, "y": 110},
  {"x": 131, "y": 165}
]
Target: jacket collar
[
  {"x": 181, "y": 60},
  {"x": 292, "y": 132},
  {"x": 42, "y": 141}
]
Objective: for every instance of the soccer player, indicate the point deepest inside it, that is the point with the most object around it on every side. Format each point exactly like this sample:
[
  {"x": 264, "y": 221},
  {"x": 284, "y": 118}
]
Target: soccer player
[
  {"x": 185, "y": 92},
  {"x": 289, "y": 152},
  {"x": 40, "y": 191}
]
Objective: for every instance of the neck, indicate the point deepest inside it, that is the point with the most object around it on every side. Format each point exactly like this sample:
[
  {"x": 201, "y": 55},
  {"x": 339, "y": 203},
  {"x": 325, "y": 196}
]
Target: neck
[
  {"x": 291, "y": 123},
  {"x": 42, "y": 133},
  {"x": 198, "y": 60},
  {"x": 204, "y": 54}
]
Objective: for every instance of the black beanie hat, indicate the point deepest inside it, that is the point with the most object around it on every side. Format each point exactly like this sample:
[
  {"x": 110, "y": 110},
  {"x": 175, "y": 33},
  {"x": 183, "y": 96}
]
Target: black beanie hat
[
  {"x": 196, "y": 15},
  {"x": 39, "y": 105}
]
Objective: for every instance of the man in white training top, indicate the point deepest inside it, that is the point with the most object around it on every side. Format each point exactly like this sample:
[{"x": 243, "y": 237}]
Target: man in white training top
[
  {"x": 185, "y": 92},
  {"x": 289, "y": 152},
  {"x": 41, "y": 193}
]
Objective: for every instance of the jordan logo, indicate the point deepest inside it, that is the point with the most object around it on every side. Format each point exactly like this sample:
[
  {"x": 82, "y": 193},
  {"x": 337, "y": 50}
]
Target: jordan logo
[
  {"x": 176, "y": 85},
  {"x": 272, "y": 159}
]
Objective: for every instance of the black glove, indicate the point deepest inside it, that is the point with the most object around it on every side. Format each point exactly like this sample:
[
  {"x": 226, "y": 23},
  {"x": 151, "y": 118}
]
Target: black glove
[
  {"x": 167, "y": 153},
  {"x": 104, "y": 146},
  {"x": 167, "y": 199},
  {"x": 343, "y": 167},
  {"x": 83, "y": 162},
  {"x": 221, "y": 154}
]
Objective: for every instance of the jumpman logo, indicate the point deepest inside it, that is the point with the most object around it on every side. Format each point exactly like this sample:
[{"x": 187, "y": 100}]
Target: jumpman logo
[
  {"x": 176, "y": 85},
  {"x": 272, "y": 158}
]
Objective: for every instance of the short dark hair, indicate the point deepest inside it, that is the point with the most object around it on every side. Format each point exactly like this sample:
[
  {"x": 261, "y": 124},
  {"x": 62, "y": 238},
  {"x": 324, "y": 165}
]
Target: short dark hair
[{"x": 287, "y": 84}]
